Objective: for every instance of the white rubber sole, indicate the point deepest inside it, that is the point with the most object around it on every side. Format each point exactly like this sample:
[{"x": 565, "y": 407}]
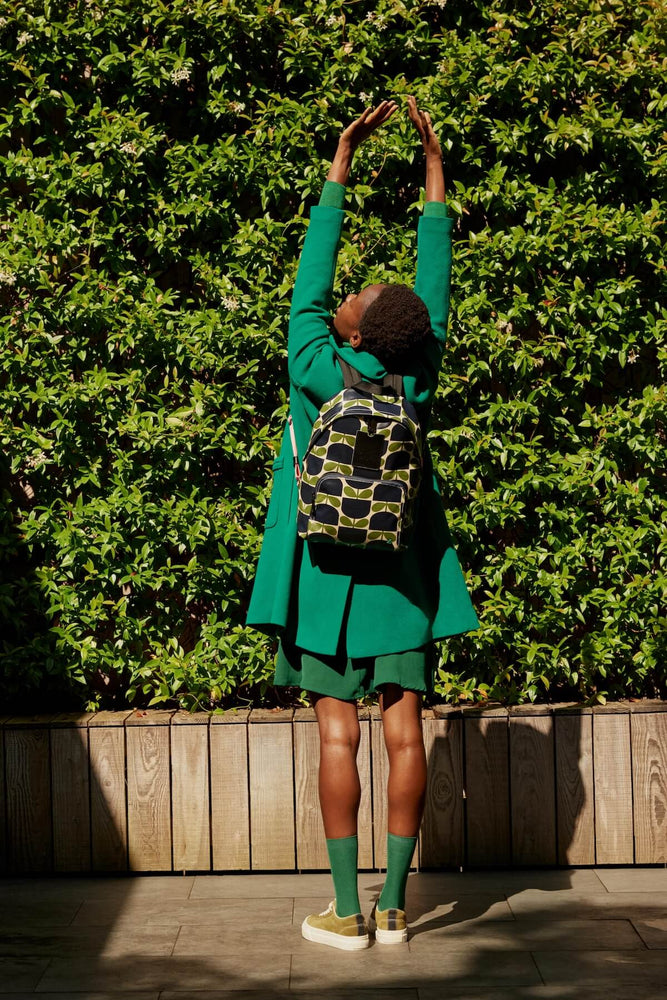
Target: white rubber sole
[
  {"x": 321, "y": 936},
  {"x": 387, "y": 937},
  {"x": 391, "y": 937}
]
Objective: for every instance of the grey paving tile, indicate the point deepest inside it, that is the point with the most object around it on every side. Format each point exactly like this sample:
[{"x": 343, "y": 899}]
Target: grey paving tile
[
  {"x": 86, "y": 995},
  {"x": 277, "y": 937},
  {"x": 265, "y": 886},
  {"x": 361, "y": 990},
  {"x": 59, "y": 942},
  {"x": 597, "y": 967},
  {"x": 653, "y": 932},
  {"x": 545, "y": 935},
  {"x": 18, "y": 974},
  {"x": 607, "y": 905},
  {"x": 308, "y": 884},
  {"x": 633, "y": 879},
  {"x": 560, "y": 991},
  {"x": 188, "y": 911},
  {"x": 504, "y": 881},
  {"x": 319, "y": 967},
  {"x": 93, "y": 887},
  {"x": 232, "y": 972},
  {"x": 36, "y": 913},
  {"x": 398, "y": 966}
]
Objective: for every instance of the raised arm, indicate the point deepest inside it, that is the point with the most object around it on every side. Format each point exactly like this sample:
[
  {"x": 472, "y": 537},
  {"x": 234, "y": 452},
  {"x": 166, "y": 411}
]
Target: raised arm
[
  {"x": 434, "y": 240},
  {"x": 435, "y": 179},
  {"x": 311, "y": 299}
]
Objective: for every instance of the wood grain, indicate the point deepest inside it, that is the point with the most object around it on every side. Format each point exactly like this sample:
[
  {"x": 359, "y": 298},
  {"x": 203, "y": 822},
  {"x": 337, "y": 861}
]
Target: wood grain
[
  {"x": 649, "y": 766},
  {"x": 487, "y": 789},
  {"x": 70, "y": 790},
  {"x": 270, "y": 757},
  {"x": 311, "y": 846},
  {"x": 613, "y": 789},
  {"x": 28, "y": 784},
  {"x": 441, "y": 833},
  {"x": 230, "y": 801},
  {"x": 148, "y": 795},
  {"x": 575, "y": 792},
  {"x": 365, "y": 815},
  {"x": 532, "y": 790},
  {"x": 108, "y": 800},
  {"x": 379, "y": 779},
  {"x": 190, "y": 791},
  {"x": 536, "y": 785}
]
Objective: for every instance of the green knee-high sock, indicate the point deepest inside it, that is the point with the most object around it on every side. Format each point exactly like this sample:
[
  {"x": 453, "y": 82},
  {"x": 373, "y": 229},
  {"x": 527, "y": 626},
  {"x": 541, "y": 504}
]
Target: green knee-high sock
[
  {"x": 343, "y": 857},
  {"x": 399, "y": 856}
]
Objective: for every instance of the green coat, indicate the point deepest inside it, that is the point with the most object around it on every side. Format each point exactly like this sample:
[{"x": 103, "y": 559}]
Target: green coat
[{"x": 390, "y": 601}]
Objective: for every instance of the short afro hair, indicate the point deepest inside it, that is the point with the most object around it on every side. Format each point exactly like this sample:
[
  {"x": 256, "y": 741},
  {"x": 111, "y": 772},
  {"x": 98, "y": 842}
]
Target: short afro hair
[{"x": 394, "y": 327}]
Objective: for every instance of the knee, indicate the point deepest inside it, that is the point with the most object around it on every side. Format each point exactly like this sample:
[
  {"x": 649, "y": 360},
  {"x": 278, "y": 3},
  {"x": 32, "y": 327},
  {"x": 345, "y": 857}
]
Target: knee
[
  {"x": 340, "y": 738},
  {"x": 404, "y": 742}
]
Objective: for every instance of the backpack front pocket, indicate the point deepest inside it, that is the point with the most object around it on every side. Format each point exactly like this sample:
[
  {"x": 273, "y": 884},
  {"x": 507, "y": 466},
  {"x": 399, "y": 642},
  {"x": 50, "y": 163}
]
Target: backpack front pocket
[{"x": 351, "y": 510}]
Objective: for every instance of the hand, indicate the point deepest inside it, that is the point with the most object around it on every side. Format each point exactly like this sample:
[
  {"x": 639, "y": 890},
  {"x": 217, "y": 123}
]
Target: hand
[
  {"x": 422, "y": 122},
  {"x": 371, "y": 119}
]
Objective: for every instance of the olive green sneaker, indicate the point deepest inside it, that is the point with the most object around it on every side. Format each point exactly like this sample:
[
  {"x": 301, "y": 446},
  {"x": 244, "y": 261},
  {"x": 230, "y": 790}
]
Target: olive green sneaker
[
  {"x": 390, "y": 925},
  {"x": 349, "y": 933}
]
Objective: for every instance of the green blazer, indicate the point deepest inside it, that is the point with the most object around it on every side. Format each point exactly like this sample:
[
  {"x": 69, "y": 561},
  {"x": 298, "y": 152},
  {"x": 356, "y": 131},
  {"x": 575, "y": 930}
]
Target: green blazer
[{"x": 328, "y": 598}]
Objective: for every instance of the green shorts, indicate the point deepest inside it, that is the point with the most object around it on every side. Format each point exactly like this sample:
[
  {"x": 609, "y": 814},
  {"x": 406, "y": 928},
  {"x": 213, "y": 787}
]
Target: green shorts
[{"x": 351, "y": 678}]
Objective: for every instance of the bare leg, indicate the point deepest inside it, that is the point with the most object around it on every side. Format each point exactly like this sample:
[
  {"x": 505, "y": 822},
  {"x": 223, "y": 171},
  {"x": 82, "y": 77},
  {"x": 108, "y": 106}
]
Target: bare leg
[
  {"x": 406, "y": 788},
  {"x": 339, "y": 785}
]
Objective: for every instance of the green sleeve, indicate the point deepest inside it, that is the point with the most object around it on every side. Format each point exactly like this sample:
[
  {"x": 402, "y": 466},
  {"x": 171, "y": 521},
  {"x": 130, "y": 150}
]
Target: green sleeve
[
  {"x": 434, "y": 268},
  {"x": 310, "y": 313},
  {"x": 436, "y": 209},
  {"x": 333, "y": 194}
]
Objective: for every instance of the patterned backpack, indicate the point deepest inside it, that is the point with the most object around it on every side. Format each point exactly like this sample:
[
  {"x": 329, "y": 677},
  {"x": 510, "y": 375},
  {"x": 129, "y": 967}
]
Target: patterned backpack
[{"x": 363, "y": 466}]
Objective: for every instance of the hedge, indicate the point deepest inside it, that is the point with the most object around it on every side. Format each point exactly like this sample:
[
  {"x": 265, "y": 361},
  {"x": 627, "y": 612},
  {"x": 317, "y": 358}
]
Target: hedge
[{"x": 158, "y": 165}]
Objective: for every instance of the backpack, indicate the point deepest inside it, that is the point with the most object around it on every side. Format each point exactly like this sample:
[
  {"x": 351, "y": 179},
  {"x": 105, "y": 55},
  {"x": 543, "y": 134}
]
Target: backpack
[{"x": 362, "y": 468}]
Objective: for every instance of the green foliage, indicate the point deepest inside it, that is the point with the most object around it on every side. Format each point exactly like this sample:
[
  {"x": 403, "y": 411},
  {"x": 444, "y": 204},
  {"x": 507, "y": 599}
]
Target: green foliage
[{"x": 158, "y": 164}]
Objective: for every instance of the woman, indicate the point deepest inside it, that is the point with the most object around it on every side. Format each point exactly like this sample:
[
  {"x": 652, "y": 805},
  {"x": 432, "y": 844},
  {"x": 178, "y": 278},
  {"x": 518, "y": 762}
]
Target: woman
[{"x": 355, "y": 622}]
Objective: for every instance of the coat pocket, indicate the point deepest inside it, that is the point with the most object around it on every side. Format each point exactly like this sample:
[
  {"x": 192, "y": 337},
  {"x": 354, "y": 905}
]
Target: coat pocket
[{"x": 274, "y": 503}]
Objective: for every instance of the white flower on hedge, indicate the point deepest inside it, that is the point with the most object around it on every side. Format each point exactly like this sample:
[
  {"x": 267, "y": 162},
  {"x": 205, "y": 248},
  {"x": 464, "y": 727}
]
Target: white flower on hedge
[
  {"x": 632, "y": 356},
  {"x": 3, "y": 22},
  {"x": 333, "y": 20},
  {"x": 366, "y": 98},
  {"x": 128, "y": 147},
  {"x": 439, "y": 3},
  {"x": 7, "y": 278},
  {"x": 376, "y": 20},
  {"x": 237, "y": 106},
  {"x": 180, "y": 74},
  {"x": 24, "y": 37},
  {"x": 410, "y": 43},
  {"x": 230, "y": 303}
]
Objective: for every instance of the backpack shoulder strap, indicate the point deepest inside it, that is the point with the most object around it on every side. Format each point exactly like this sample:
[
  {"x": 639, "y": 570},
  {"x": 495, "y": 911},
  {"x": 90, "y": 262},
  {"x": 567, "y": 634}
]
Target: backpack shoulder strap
[
  {"x": 395, "y": 382},
  {"x": 352, "y": 377}
]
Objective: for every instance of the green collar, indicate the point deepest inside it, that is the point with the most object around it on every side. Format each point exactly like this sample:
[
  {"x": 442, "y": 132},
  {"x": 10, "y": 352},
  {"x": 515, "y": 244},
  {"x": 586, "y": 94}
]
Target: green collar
[{"x": 365, "y": 363}]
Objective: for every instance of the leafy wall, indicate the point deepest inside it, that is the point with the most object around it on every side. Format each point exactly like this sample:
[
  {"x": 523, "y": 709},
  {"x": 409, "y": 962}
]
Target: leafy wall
[{"x": 158, "y": 165}]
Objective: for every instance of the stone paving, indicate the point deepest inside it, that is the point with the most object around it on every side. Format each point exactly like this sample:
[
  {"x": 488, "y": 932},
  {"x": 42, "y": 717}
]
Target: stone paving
[{"x": 589, "y": 934}]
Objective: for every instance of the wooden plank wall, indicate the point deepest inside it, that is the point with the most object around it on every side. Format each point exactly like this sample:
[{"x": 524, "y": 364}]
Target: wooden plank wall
[{"x": 165, "y": 791}]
